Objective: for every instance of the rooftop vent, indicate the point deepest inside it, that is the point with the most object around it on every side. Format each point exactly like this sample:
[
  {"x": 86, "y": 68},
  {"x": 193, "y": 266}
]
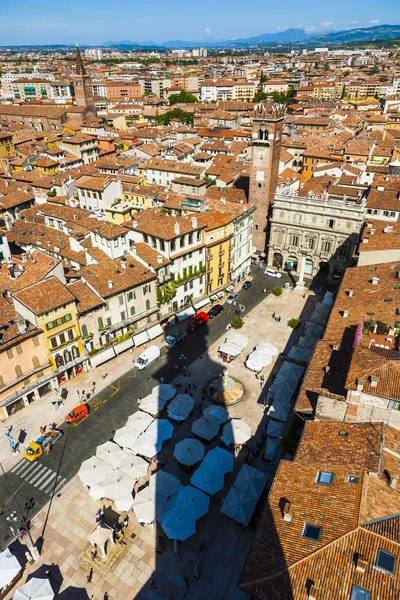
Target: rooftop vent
[
  {"x": 361, "y": 564},
  {"x": 375, "y": 280},
  {"x": 177, "y": 228},
  {"x": 110, "y": 283},
  {"x": 393, "y": 481},
  {"x": 360, "y": 385},
  {"x": 374, "y": 380},
  {"x": 345, "y": 313},
  {"x": 350, "y": 293}
]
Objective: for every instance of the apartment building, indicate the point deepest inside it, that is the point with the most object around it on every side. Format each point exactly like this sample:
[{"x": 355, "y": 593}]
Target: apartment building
[
  {"x": 97, "y": 193},
  {"x": 83, "y": 146}
]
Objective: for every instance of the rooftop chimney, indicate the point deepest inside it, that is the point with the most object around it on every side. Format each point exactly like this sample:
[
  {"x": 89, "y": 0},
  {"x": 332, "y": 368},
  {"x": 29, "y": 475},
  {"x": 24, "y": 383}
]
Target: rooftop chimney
[
  {"x": 194, "y": 222},
  {"x": 314, "y": 593},
  {"x": 360, "y": 385},
  {"x": 362, "y": 565},
  {"x": 288, "y": 512},
  {"x": 375, "y": 280},
  {"x": 22, "y": 328},
  {"x": 159, "y": 259},
  {"x": 351, "y": 292},
  {"x": 345, "y": 313},
  {"x": 393, "y": 481},
  {"x": 177, "y": 228},
  {"x": 374, "y": 380},
  {"x": 110, "y": 283}
]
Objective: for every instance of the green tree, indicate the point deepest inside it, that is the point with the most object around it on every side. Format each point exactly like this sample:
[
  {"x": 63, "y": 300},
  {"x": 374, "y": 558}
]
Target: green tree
[
  {"x": 260, "y": 96},
  {"x": 237, "y": 323},
  {"x": 278, "y": 291},
  {"x": 175, "y": 113},
  {"x": 183, "y": 98}
]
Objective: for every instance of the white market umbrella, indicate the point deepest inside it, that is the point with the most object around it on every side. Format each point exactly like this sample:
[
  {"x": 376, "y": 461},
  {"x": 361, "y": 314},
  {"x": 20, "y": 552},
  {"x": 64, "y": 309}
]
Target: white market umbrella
[
  {"x": 251, "y": 480},
  {"x": 148, "y": 505},
  {"x": 139, "y": 421},
  {"x": 178, "y": 524},
  {"x": 219, "y": 459},
  {"x": 189, "y": 451},
  {"x": 164, "y": 391},
  {"x": 180, "y": 407},
  {"x": 126, "y": 436},
  {"x": 110, "y": 453},
  {"x": 270, "y": 448},
  {"x": 236, "y": 431},
  {"x": 124, "y": 504},
  {"x": 152, "y": 405},
  {"x": 35, "y": 589},
  {"x": 218, "y": 414},
  {"x": 205, "y": 429},
  {"x": 237, "y": 338},
  {"x": 93, "y": 471},
  {"x": 258, "y": 360},
  {"x": 275, "y": 428},
  {"x": 96, "y": 492},
  {"x": 230, "y": 349},
  {"x": 210, "y": 481},
  {"x": 191, "y": 499},
  {"x": 117, "y": 486},
  {"x": 267, "y": 347},
  {"x": 165, "y": 483},
  {"x": 239, "y": 506},
  {"x": 134, "y": 466},
  {"x": 9, "y": 568},
  {"x": 150, "y": 442}
]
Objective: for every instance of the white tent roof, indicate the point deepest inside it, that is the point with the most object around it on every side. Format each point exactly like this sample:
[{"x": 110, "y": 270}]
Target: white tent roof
[
  {"x": 279, "y": 410},
  {"x": 148, "y": 505},
  {"x": 275, "y": 428},
  {"x": 124, "y": 504},
  {"x": 258, "y": 360},
  {"x": 165, "y": 483},
  {"x": 117, "y": 486},
  {"x": 165, "y": 391},
  {"x": 218, "y": 414},
  {"x": 111, "y": 453},
  {"x": 180, "y": 407},
  {"x": 139, "y": 421},
  {"x": 230, "y": 349},
  {"x": 126, "y": 436},
  {"x": 93, "y": 471},
  {"x": 267, "y": 347},
  {"x": 35, "y": 589},
  {"x": 271, "y": 447},
  {"x": 205, "y": 429},
  {"x": 191, "y": 499},
  {"x": 239, "y": 506},
  {"x": 237, "y": 338},
  {"x": 236, "y": 431},
  {"x": 9, "y": 568},
  {"x": 287, "y": 379},
  {"x": 150, "y": 442},
  {"x": 152, "y": 405},
  {"x": 251, "y": 480},
  {"x": 134, "y": 466},
  {"x": 155, "y": 331},
  {"x": 185, "y": 314}
]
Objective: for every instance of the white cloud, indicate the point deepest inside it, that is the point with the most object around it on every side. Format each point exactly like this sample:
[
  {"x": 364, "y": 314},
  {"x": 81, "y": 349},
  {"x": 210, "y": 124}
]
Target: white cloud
[
  {"x": 327, "y": 23},
  {"x": 374, "y": 22},
  {"x": 208, "y": 31},
  {"x": 354, "y": 22}
]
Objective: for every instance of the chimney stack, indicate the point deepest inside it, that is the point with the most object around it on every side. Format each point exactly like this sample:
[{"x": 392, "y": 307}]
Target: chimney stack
[
  {"x": 194, "y": 222},
  {"x": 345, "y": 313},
  {"x": 110, "y": 284},
  {"x": 393, "y": 481},
  {"x": 374, "y": 381},
  {"x": 288, "y": 512},
  {"x": 177, "y": 228}
]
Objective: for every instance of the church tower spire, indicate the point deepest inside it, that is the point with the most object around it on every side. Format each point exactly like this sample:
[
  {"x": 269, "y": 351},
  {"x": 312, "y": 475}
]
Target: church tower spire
[{"x": 82, "y": 82}]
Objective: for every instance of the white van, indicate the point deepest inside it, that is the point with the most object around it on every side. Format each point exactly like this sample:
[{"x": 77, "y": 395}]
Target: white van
[{"x": 147, "y": 357}]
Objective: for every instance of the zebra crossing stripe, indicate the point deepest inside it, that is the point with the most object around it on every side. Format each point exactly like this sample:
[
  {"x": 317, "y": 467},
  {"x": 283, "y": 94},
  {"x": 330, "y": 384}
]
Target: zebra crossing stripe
[
  {"x": 35, "y": 475},
  {"x": 18, "y": 466},
  {"x": 48, "y": 481},
  {"x": 60, "y": 485},
  {"x": 44, "y": 475},
  {"x": 26, "y": 469}
]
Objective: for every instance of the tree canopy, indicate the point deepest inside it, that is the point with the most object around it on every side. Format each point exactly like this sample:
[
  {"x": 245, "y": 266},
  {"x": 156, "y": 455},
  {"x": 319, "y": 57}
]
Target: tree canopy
[
  {"x": 279, "y": 97},
  {"x": 183, "y": 98},
  {"x": 175, "y": 113}
]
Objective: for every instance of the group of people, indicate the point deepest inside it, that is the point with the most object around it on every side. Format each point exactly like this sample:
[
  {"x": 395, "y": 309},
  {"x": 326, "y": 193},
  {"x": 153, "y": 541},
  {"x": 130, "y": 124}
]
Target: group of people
[{"x": 276, "y": 318}]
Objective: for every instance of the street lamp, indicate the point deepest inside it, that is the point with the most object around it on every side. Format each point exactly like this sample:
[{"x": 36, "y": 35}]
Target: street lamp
[
  {"x": 33, "y": 550},
  {"x": 11, "y": 519}
]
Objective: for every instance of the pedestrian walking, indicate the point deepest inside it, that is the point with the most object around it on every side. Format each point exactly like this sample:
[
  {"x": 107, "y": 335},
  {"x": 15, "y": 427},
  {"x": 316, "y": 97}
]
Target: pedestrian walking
[
  {"x": 279, "y": 319},
  {"x": 125, "y": 522},
  {"x": 161, "y": 541},
  {"x": 187, "y": 373},
  {"x": 162, "y": 379},
  {"x": 188, "y": 384},
  {"x": 195, "y": 384},
  {"x": 79, "y": 394},
  {"x": 273, "y": 315},
  {"x": 152, "y": 584},
  {"x": 178, "y": 383},
  {"x": 89, "y": 577},
  {"x": 177, "y": 368}
]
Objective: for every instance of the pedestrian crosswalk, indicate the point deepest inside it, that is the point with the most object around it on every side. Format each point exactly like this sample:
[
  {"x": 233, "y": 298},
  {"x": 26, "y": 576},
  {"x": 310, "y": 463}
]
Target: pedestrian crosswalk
[{"x": 40, "y": 476}]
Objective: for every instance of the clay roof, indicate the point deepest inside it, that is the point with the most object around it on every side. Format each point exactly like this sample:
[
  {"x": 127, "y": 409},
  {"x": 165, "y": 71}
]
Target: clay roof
[
  {"x": 44, "y": 296},
  {"x": 156, "y": 223},
  {"x": 86, "y": 298}
]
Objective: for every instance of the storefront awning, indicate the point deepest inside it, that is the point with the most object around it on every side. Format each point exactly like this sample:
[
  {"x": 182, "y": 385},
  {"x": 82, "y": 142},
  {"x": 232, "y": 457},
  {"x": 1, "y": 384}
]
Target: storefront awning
[
  {"x": 140, "y": 338},
  {"x": 289, "y": 264},
  {"x": 202, "y": 303},
  {"x": 185, "y": 314},
  {"x": 154, "y": 332},
  {"x": 102, "y": 357}
]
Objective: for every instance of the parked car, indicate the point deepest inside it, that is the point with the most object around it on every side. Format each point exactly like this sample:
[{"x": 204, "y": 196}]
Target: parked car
[
  {"x": 77, "y": 413},
  {"x": 172, "y": 340},
  {"x": 197, "y": 321},
  {"x": 246, "y": 285},
  {"x": 232, "y": 297},
  {"x": 43, "y": 444},
  {"x": 272, "y": 273},
  {"x": 215, "y": 311}
]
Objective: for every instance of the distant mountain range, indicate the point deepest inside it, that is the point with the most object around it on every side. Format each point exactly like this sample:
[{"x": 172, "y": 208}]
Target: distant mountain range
[{"x": 289, "y": 36}]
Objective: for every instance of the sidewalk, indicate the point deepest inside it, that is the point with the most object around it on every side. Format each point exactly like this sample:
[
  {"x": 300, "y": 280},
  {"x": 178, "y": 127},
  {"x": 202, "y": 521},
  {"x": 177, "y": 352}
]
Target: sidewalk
[{"x": 220, "y": 545}]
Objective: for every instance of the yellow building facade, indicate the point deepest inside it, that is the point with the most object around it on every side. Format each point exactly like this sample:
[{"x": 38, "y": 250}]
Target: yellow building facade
[{"x": 6, "y": 145}]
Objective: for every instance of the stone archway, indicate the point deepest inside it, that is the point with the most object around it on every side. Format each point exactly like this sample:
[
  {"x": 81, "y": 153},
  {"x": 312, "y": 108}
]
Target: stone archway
[{"x": 277, "y": 260}]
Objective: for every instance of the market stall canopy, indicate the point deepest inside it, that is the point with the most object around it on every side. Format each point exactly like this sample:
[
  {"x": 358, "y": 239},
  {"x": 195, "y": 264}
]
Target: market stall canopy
[
  {"x": 150, "y": 442},
  {"x": 205, "y": 429},
  {"x": 93, "y": 471},
  {"x": 300, "y": 354},
  {"x": 149, "y": 505},
  {"x": 218, "y": 414},
  {"x": 165, "y": 483},
  {"x": 9, "y": 568},
  {"x": 219, "y": 459},
  {"x": 237, "y": 338},
  {"x": 286, "y": 381},
  {"x": 250, "y": 480},
  {"x": 35, "y": 589},
  {"x": 134, "y": 466},
  {"x": 268, "y": 348},
  {"x": 152, "y": 405},
  {"x": 164, "y": 391},
  {"x": 258, "y": 360},
  {"x": 191, "y": 499},
  {"x": 139, "y": 421},
  {"x": 210, "y": 481},
  {"x": 178, "y": 524},
  {"x": 239, "y": 506},
  {"x": 110, "y": 453},
  {"x": 230, "y": 349},
  {"x": 279, "y": 410},
  {"x": 125, "y": 504},
  {"x": 118, "y": 485},
  {"x": 189, "y": 451},
  {"x": 126, "y": 436},
  {"x": 271, "y": 447},
  {"x": 180, "y": 407},
  {"x": 236, "y": 431},
  {"x": 185, "y": 314},
  {"x": 275, "y": 428}
]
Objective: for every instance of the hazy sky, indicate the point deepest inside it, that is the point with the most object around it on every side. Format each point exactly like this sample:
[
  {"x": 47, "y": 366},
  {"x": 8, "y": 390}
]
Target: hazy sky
[{"x": 97, "y": 21}]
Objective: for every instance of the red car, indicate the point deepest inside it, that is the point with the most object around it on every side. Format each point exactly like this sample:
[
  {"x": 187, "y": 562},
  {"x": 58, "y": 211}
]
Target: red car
[
  {"x": 77, "y": 413},
  {"x": 197, "y": 321}
]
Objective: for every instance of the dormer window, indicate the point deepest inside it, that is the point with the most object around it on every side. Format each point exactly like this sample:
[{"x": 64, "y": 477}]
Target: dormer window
[
  {"x": 312, "y": 532},
  {"x": 385, "y": 561},
  {"x": 359, "y": 593}
]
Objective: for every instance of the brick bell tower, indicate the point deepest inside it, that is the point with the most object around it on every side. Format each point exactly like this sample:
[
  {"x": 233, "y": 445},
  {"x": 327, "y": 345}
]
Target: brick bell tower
[
  {"x": 266, "y": 148},
  {"x": 82, "y": 83}
]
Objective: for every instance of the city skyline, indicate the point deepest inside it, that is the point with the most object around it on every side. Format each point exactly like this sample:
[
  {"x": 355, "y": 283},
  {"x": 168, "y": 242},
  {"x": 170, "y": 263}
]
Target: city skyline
[{"x": 94, "y": 23}]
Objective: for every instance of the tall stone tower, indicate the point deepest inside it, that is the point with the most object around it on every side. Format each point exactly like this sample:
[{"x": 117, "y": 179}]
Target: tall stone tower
[
  {"x": 82, "y": 83},
  {"x": 266, "y": 147}
]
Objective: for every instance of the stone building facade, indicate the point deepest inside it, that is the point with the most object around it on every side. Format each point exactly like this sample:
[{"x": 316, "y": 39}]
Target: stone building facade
[{"x": 325, "y": 229}]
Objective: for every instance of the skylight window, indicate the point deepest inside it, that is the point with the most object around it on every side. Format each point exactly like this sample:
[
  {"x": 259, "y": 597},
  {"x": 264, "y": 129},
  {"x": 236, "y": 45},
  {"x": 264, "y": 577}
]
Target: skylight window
[
  {"x": 359, "y": 593},
  {"x": 312, "y": 532},
  {"x": 385, "y": 561},
  {"x": 324, "y": 477}
]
